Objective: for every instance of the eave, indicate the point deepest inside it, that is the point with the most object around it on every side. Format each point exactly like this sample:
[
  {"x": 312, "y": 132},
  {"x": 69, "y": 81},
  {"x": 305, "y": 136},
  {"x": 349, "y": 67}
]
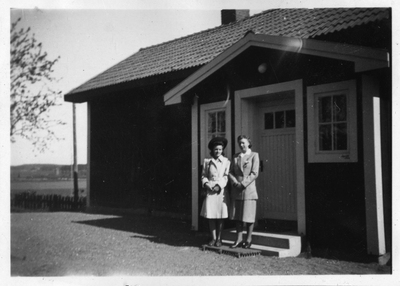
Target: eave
[
  {"x": 103, "y": 91},
  {"x": 364, "y": 58}
]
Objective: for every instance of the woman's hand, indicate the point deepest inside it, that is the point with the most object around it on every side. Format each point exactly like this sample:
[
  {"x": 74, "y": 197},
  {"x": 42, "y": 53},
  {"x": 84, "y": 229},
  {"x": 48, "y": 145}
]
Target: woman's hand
[
  {"x": 238, "y": 185},
  {"x": 217, "y": 189},
  {"x": 208, "y": 187}
]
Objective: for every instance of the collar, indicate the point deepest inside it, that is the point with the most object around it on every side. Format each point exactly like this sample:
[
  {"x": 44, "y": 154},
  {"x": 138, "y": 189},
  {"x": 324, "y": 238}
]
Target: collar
[
  {"x": 219, "y": 159},
  {"x": 248, "y": 152}
]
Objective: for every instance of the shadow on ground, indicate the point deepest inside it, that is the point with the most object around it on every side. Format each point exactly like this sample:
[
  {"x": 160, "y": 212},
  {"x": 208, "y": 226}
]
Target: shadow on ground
[
  {"x": 173, "y": 232},
  {"x": 177, "y": 232}
]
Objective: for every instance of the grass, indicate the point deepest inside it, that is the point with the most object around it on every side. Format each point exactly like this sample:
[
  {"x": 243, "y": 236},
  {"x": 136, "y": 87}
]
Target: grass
[{"x": 42, "y": 187}]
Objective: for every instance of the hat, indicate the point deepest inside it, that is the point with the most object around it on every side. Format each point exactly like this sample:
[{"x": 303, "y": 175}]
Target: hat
[{"x": 217, "y": 141}]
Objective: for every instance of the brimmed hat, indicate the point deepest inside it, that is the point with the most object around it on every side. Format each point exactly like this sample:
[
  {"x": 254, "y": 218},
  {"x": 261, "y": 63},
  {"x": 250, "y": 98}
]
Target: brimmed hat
[{"x": 217, "y": 141}]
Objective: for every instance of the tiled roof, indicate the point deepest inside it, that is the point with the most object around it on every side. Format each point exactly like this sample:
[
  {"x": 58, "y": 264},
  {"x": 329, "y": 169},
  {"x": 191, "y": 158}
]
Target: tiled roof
[{"x": 200, "y": 48}]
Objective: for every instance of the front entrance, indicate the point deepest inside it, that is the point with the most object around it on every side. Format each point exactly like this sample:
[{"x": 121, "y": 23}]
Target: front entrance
[
  {"x": 276, "y": 146},
  {"x": 273, "y": 117}
]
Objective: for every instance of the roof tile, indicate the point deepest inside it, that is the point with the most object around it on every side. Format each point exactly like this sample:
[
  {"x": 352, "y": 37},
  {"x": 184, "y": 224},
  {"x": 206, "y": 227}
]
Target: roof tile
[{"x": 202, "y": 47}]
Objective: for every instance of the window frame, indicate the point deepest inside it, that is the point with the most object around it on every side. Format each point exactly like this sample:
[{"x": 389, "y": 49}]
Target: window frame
[
  {"x": 332, "y": 156},
  {"x": 217, "y": 132},
  {"x": 205, "y": 109},
  {"x": 273, "y": 111}
]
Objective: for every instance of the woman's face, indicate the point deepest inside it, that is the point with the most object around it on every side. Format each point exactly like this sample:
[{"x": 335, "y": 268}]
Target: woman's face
[
  {"x": 244, "y": 145},
  {"x": 217, "y": 151}
]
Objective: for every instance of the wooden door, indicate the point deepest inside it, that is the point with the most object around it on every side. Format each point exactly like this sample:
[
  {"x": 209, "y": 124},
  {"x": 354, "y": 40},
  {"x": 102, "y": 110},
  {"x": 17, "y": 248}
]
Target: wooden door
[{"x": 277, "y": 149}]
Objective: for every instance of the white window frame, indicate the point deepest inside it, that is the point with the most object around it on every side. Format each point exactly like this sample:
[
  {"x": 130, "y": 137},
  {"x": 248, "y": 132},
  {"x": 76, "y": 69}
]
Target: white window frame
[
  {"x": 335, "y": 156},
  {"x": 204, "y": 110}
]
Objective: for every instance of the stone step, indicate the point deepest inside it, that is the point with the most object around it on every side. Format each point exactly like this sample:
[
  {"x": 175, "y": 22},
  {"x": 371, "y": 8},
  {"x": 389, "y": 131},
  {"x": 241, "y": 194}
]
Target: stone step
[
  {"x": 270, "y": 251},
  {"x": 270, "y": 244}
]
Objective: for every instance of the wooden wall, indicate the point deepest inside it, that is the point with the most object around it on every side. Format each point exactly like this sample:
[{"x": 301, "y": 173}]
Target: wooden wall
[{"x": 140, "y": 152}]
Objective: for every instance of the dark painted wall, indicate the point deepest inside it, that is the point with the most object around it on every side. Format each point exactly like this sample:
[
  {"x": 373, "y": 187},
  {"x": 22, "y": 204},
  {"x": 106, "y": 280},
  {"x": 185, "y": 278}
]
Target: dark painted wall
[{"x": 140, "y": 152}]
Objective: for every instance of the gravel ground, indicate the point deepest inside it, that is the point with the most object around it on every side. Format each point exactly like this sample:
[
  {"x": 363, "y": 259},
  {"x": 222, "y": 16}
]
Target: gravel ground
[{"x": 64, "y": 244}]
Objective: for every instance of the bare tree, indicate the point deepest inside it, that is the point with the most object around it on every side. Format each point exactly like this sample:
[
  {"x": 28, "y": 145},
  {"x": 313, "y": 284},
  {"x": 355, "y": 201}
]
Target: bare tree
[{"x": 31, "y": 95}]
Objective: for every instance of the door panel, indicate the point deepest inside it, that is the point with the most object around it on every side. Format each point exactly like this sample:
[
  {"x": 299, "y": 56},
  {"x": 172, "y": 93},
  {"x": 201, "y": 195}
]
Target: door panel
[{"x": 277, "y": 182}]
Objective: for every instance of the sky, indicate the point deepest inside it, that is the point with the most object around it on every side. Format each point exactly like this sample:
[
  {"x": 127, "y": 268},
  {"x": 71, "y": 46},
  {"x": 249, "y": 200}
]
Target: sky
[
  {"x": 88, "y": 42},
  {"x": 91, "y": 36}
]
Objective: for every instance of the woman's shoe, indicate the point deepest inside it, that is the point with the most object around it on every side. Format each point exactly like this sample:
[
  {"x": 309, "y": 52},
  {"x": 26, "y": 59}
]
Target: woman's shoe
[
  {"x": 237, "y": 244},
  {"x": 246, "y": 244},
  {"x": 218, "y": 243},
  {"x": 211, "y": 243}
]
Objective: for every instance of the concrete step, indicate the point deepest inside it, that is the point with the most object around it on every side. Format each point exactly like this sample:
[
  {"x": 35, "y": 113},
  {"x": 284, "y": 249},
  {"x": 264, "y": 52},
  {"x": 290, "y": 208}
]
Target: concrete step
[{"x": 270, "y": 244}]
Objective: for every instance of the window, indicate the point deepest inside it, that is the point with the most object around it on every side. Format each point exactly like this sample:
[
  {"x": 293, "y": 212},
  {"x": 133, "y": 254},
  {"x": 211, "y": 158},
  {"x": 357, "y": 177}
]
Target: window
[
  {"x": 216, "y": 124},
  {"x": 332, "y": 129},
  {"x": 332, "y": 122},
  {"x": 279, "y": 119}
]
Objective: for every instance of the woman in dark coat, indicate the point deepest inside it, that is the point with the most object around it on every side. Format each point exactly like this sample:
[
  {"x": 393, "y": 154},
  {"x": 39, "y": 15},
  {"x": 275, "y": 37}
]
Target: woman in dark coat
[{"x": 243, "y": 173}]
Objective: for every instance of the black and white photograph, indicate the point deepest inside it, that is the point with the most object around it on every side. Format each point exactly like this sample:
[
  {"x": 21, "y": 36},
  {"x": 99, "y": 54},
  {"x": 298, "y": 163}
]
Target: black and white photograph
[{"x": 199, "y": 142}]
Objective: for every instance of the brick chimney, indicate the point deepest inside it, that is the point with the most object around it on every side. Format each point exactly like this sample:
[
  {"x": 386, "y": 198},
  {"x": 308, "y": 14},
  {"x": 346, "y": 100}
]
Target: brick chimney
[{"x": 229, "y": 16}]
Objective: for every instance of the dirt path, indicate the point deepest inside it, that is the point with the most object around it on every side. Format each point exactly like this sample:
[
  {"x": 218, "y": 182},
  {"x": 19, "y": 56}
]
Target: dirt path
[{"x": 63, "y": 244}]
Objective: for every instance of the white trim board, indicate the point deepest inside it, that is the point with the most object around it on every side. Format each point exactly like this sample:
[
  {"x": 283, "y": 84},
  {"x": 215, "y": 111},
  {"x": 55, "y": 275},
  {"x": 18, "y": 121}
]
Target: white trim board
[
  {"x": 195, "y": 166},
  {"x": 373, "y": 167}
]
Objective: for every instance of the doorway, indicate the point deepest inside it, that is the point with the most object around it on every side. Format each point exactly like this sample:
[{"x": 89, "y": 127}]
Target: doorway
[{"x": 273, "y": 117}]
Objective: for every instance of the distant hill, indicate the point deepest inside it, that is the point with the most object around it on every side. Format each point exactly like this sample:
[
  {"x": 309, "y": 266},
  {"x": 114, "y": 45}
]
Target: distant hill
[{"x": 46, "y": 171}]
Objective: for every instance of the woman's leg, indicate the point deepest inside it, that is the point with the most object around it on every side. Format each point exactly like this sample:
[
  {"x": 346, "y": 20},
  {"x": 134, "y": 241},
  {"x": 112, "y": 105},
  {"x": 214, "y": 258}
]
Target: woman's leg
[
  {"x": 239, "y": 231},
  {"x": 237, "y": 213},
  {"x": 250, "y": 227},
  {"x": 239, "y": 235},
  {"x": 213, "y": 230},
  {"x": 220, "y": 228}
]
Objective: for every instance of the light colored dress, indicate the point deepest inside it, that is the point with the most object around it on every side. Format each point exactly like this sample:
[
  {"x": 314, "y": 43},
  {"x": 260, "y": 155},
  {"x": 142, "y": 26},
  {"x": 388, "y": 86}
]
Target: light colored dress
[{"x": 215, "y": 172}]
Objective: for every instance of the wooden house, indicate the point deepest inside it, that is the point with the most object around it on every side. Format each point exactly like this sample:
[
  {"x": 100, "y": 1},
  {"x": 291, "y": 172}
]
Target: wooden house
[{"x": 311, "y": 87}]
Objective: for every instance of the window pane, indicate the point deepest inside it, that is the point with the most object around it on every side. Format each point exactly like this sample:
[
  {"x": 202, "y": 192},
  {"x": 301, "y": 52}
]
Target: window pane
[
  {"x": 212, "y": 122},
  {"x": 340, "y": 136},
  {"x": 279, "y": 119},
  {"x": 269, "y": 120},
  {"x": 325, "y": 137},
  {"x": 290, "y": 118},
  {"x": 221, "y": 121},
  {"x": 324, "y": 109},
  {"x": 339, "y": 108}
]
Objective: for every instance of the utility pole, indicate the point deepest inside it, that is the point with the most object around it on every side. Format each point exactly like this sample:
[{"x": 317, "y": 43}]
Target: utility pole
[{"x": 75, "y": 160}]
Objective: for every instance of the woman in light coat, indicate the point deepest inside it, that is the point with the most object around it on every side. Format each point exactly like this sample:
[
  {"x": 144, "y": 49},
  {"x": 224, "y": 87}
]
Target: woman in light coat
[
  {"x": 214, "y": 180},
  {"x": 243, "y": 175}
]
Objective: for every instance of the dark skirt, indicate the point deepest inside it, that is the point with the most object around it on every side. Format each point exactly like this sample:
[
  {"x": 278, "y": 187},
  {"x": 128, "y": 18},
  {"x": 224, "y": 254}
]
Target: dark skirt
[{"x": 244, "y": 210}]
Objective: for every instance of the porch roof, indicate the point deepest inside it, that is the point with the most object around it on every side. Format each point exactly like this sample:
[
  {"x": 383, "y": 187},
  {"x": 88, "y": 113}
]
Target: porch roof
[
  {"x": 364, "y": 58},
  {"x": 198, "y": 49}
]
